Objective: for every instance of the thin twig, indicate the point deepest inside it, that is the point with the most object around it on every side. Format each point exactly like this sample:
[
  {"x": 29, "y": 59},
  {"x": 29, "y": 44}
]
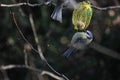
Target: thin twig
[
  {"x": 21, "y": 4},
  {"x": 105, "y": 8},
  {"x": 50, "y": 74},
  {"x": 26, "y": 57},
  {"x": 26, "y": 4},
  {"x": 36, "y": 38},
  {"x": 43, "y": 72},
  {"x": 22, "y": 35},
  {"x": 7, "y": 67},
  {"x": 39, "y": 48},
  {"x": 50, "y": 2},
  {"x": 105, "y": 50}
]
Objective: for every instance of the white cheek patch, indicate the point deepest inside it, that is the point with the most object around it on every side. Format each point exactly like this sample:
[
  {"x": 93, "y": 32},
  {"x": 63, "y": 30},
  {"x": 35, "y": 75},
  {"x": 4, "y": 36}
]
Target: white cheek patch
[{"x": 89, "y": 35}]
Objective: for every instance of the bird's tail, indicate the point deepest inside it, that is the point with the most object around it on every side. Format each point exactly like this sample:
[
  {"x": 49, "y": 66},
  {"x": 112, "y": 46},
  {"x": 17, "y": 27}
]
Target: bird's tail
[
  {"x": 57, "y": 14},
  {"x": 68, "y": 52}
]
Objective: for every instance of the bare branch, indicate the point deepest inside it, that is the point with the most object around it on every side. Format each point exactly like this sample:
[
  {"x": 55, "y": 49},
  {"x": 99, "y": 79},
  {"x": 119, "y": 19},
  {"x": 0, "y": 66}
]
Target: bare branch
[
  {"x": 51, "y": 74},
  {"x": 43, "y": 58},
  {"x": 7, "y": 67},
  {"x": 22, "y": 35},
  {"x": 26, "y": 57},
  {"x": 105, "y": 50},
  {"x": 50, "y": 2},
  {"x": 43, "y": 72},
  {"x": 39, "y": 48},
  {"x": 36, "y": 38},
  {"x": 26, "y": 4},
  {"x": 21, "y": 4},
  {"x": 105, "y": 8},
  {"x": 12, "y": 5}
]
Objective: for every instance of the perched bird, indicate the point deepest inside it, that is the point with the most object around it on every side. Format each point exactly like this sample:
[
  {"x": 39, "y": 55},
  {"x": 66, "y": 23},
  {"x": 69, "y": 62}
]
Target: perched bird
[
  {"x": 79, "y": 41},
  {"x": 82, "y": 15},
  {"x": 82, "y": 12}
]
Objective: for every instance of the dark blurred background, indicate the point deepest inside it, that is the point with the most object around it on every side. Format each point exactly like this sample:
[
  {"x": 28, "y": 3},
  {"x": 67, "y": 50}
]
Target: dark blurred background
[{"x": 54, "y": 38}]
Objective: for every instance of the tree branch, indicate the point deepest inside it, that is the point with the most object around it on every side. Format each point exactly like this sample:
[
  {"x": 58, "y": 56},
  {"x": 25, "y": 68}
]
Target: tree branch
[
  {"x": 26, "y": 4},
  {"x": 7, "y": 67},
  {"x": 105, "y": 8},
  {"x": 39, "y": 48},
  {"x": 36, "y": 38},
  {"x": 21, "y": 4},
  {"x": 43, "y": 72},
  {"x": 51, "y": 74},
  {"x": 50, "y": 2},
  {"x": 104, "y": 50},
  {"x": 40, "y": 52}
]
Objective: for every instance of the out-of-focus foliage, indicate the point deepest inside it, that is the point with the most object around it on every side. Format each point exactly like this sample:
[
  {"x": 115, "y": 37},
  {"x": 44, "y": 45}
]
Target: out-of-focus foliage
[{"x": 54, "y": 38}]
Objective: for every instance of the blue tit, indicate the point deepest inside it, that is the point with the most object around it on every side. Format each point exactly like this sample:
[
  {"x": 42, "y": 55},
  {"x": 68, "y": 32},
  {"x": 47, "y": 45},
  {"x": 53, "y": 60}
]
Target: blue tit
[
  {"x": 79, "y": 41},
  {"x": 57, "y": 13}
]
